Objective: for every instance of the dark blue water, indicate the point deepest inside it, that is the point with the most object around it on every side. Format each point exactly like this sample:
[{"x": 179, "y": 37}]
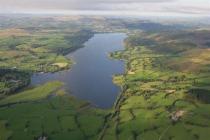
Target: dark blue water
[{"x": 90, "y": 78}]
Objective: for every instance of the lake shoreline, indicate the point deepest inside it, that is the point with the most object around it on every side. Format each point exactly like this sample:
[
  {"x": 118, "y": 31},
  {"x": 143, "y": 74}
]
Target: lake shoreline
[{"x": 97, "y": 64}]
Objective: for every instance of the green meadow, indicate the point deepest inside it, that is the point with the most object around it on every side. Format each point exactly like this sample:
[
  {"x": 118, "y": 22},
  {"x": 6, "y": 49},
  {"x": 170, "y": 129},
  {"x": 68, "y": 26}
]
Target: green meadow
[
  {"x": 24, "y": 53},
  {"x": 47, "y": 111},
  {"x": 165, "y": 88},
  {"x": 159, "y": 102}
]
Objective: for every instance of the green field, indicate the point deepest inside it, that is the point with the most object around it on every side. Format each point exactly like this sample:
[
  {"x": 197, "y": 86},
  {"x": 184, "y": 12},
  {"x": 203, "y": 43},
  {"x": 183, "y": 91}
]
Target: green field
[
  {"x": 165, "y": 88},
  {"x": 160, "y": 102},
  {"x": 39, "y": 52},
  {"x": 34, "y": 113},
  {"x": 23, "y": 53}
]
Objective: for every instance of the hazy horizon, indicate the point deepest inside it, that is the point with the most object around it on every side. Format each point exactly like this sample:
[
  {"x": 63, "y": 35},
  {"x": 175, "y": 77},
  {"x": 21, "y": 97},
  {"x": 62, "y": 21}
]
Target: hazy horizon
[{"x": 163, "y": 8}]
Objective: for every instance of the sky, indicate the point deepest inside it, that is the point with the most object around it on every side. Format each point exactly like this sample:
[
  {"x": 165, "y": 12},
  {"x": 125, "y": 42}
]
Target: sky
[{"x": 109, "y": 7}]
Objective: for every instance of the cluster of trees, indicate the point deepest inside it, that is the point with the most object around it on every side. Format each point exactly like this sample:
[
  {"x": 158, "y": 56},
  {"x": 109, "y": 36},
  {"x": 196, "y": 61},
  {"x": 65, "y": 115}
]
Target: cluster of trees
[
  {"x": 12, "y": 80},
  {"x": 77, "y": 40}
]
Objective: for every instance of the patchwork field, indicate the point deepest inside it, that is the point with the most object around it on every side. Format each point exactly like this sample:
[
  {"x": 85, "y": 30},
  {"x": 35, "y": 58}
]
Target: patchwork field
[
  {"x": 165, "y": 88},
  {"x": 46, "y": 111},
  {"x": 23, "y": 53},
  {"x": 160, "y": 102}
]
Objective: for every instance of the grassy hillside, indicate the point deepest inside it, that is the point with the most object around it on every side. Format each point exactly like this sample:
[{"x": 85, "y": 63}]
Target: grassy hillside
[
  {"x": 160, "y": 101},
  {"x": 39, "y": 52},
  {"x": 46, "y": 111},
  {"x": 23, "y": 53},
  {"x": 165, "y": 88}
]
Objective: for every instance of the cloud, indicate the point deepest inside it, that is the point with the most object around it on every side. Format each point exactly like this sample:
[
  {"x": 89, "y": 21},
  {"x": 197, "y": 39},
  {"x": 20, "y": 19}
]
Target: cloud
[
  {"x": 69, "y": 4},
  {"x": 128, "y": 7}
]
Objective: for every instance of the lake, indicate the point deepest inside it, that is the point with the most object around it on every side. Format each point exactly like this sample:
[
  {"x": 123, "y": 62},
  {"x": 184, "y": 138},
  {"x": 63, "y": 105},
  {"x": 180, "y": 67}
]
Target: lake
[{"x": 90, "y": 78}]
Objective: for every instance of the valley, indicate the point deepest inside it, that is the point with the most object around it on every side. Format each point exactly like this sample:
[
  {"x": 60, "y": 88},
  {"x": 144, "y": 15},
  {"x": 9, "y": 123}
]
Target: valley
[{"x": 162, "y": 75}]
